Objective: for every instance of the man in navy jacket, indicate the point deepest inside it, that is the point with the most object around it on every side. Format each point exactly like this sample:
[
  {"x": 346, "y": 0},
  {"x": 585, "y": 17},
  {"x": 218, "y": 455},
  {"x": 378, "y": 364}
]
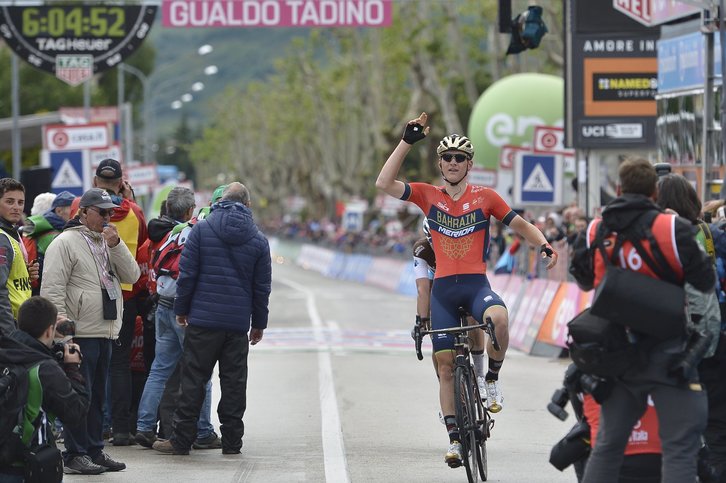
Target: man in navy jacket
[{"x": 223, "y": 292}]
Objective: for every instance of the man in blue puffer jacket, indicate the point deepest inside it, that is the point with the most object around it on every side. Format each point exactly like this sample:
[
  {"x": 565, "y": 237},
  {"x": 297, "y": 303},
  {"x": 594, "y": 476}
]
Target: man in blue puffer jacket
[{"x": 223, "y": 292}]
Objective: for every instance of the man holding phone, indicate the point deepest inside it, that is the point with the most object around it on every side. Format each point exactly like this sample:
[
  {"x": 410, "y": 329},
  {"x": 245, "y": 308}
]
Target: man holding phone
[
  {"x": 129, "y": 220},
  {"x": 84, "y": 269}
]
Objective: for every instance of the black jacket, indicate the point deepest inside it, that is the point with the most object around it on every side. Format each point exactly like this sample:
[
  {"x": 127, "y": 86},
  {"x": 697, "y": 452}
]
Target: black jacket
[
  {"x": 64, "y": 391},
  {"x": 620, "y": 215},
  {"x": 159, "y": 227}
]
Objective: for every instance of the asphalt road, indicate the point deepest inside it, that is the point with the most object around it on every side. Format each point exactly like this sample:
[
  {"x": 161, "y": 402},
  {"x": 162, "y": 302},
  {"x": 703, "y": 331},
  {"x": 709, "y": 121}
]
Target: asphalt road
[{"x": 336, "y": 394}]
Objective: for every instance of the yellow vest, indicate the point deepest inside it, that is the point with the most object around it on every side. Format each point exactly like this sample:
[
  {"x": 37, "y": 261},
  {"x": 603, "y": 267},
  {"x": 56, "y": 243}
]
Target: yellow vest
[
  {"x": 128, "y": 231},
  {"x": 18, "y": 279}
]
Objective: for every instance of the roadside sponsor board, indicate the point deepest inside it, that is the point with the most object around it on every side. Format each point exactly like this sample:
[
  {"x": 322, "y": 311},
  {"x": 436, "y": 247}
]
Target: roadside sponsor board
[
  {"x": 99, "y": 154},
  {"x": 551, "y": 140},
  {"x": 482, "y": 177},
  {"x": 59, "y": 137},
  {"x": 565, "y": 305},
  {"x": 611, "y": 80},
  {"x": 655, "y": 12},
  {"x": 276, "y": 13},
  {"x": 142, "y": 175}
]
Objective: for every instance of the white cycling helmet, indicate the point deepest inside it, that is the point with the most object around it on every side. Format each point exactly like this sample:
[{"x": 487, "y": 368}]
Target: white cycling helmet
[
  {"x": 426, "y": 229},
  {"x": 456, "y": 142}
]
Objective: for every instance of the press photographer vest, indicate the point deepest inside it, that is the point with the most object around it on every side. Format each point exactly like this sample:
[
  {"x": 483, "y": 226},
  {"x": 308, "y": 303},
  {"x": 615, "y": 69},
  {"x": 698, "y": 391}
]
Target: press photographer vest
[
  {"x": 18, "y": 284},
  {"x": 663, "y": 230}
]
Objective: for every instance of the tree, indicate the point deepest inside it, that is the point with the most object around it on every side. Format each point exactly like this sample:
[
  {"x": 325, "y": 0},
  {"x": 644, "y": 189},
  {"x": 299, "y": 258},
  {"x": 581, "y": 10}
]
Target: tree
[{"x": 323, "y": 123}]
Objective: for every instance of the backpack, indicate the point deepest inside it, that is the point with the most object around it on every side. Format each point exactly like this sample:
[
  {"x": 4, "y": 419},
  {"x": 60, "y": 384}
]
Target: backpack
[
  {"x": 165, "y": 260},
  {"x": 15, "y": 395},
  {"x": 600, "y": 347}
]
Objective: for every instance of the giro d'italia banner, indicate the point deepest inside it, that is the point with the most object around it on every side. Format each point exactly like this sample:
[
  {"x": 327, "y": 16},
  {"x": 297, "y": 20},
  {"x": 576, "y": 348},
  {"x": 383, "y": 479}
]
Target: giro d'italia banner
[{"x": 276, "y": 13}]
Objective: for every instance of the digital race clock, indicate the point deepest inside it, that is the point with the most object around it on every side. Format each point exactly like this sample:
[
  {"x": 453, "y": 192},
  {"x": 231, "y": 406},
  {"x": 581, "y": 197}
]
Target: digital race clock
[{"x": 108, "y": 33}]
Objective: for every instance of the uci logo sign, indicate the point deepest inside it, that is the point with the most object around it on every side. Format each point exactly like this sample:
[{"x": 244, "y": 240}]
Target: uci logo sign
[{"x": 593, "y": 131}]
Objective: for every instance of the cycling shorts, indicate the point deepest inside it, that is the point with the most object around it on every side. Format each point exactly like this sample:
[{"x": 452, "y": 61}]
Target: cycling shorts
[{"x": 470, "y": 291}]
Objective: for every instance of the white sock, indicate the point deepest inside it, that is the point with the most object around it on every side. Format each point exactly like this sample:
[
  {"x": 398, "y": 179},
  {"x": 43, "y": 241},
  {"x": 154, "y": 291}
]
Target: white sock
[{"x": 478, "y": 359}]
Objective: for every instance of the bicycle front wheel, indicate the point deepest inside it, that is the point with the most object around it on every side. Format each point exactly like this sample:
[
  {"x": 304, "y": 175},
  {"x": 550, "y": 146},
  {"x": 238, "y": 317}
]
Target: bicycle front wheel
[
  {"x": 466, "y": 421},
  {"x": 482, "y": 433}
]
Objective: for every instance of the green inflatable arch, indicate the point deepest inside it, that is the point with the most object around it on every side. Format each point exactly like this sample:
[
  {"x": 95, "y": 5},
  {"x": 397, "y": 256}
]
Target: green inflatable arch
[{"x": 508, "y": 111}]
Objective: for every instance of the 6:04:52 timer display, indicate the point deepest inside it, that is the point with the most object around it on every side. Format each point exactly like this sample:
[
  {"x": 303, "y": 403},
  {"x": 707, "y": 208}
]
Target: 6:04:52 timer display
[{"x": 95, "y": 21}]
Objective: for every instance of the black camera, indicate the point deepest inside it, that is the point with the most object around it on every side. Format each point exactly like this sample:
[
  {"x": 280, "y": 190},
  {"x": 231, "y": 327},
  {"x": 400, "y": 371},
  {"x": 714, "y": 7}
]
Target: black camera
[
  {"x": 572, "y": 448},
  {"x": 58, "y": 350},
  {"x": 556, "y": 406},
  {"x": 696, "y": 347},
  {"x": 597, "y": 387},
  {"x": 67, "y": 330},
  {"x": 568, "y": 391},
  {"x": 662, "y": 169}
]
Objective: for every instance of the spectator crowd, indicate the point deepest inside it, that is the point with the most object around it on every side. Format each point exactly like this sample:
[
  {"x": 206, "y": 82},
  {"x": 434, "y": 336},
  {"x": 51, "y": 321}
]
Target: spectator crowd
[{"x": 105, "y": 314}]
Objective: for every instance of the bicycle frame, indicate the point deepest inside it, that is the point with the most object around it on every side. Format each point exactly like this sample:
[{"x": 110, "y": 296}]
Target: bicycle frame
[{"x": 472, "y": 417}]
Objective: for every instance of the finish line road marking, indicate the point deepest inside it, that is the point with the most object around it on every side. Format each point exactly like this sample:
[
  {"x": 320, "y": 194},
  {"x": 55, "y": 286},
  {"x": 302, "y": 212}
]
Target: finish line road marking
[{"x": 336, "y": 467}]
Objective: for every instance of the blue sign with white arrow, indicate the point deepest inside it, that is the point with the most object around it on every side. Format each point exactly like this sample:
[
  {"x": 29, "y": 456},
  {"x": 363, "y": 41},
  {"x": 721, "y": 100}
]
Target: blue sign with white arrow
[{"x": 67, "y": 171}]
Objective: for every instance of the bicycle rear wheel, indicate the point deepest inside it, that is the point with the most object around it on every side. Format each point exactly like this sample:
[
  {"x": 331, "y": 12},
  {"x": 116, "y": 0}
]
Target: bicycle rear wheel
[{"x": 467, "y": 422}]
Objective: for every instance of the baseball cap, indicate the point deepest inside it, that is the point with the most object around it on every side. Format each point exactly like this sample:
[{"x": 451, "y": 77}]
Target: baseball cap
[
  {"x": 64, "y": 198},
  {"x": 98, "y": 198},
  {"x": 109, "y": 169},
  {"x": 218, "y": 193}
]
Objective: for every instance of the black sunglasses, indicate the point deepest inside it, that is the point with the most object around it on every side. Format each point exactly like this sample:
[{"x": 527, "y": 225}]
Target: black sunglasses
[
  {"x": 460, "y": 158},
  {"x": 104, "y": 212}
]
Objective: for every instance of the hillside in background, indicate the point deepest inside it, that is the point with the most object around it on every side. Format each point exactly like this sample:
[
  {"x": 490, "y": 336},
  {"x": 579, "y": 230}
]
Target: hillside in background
[{"x": 241, "y": 55}]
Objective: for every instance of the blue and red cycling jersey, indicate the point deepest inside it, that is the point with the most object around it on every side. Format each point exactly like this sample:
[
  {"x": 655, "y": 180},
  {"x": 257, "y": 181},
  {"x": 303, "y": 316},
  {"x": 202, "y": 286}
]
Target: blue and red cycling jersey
[{"x": 459, "y": 229}]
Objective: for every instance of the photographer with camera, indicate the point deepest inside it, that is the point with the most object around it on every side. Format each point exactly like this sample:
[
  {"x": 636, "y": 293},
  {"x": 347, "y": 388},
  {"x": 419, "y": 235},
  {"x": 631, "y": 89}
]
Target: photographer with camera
[
  {"x": 61, "y": 386},
  {"x": 634, "y": 235},
  {"x": 584, "y": 392}
]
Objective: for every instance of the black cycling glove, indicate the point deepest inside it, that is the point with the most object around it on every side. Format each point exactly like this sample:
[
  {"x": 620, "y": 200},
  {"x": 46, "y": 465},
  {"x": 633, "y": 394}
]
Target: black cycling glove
[
  {"x": 414, "y": 132},
  {"x": 546, "y": 249}
]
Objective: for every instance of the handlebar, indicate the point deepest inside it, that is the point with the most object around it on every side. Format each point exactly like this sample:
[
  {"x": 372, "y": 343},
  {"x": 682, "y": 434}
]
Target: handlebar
[
  {"x": 487, "y": 326},
  {"x": 454, "y": 330}
]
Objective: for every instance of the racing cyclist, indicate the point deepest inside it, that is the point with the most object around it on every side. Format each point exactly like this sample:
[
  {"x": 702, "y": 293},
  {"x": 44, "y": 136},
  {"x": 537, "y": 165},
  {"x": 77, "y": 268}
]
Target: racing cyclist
[
  {"x": 424, "y": 268},
  {"x": 458, "y": 216}
]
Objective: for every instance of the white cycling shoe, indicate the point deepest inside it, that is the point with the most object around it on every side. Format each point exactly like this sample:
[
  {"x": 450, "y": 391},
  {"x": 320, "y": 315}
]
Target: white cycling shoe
[
  {"x": 453, "y": 455},
  {"x": 494, "y": 396}
]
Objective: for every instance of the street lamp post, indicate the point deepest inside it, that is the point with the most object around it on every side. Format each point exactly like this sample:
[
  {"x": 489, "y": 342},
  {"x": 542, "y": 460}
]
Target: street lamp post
[
  {"x": 144, "y": 79},
  {"x": 208, "y": 71},
  {"x": 147, "y": 90}
]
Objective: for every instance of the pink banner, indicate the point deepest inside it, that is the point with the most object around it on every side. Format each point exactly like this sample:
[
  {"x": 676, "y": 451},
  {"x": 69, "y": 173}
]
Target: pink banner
[
  {"x": 276, "y": 13},
  {"x": 563, "y": 308},
  {"x": 510, "y": 294},
  {"x": 519, "y": 324}
]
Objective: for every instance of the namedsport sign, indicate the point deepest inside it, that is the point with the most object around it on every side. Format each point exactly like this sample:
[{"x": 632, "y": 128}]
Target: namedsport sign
[{"x": 611, "y": 78}]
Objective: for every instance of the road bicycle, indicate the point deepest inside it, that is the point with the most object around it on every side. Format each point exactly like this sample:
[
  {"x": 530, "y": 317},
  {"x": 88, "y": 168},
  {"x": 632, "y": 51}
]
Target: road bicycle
[{"x": 472, "y": 417}]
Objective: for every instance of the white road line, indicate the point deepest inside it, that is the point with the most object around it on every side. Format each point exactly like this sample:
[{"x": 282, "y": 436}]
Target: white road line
[{"x": 336, "y": 467}]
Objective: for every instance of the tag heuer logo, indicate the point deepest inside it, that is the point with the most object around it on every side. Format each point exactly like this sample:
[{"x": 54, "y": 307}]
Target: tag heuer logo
[{"x": 74, "y": 69}]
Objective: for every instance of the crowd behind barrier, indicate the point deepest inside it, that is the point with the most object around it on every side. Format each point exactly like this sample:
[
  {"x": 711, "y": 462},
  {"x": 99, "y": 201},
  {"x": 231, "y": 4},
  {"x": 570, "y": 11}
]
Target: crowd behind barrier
[{"x": 539, "y": 307}]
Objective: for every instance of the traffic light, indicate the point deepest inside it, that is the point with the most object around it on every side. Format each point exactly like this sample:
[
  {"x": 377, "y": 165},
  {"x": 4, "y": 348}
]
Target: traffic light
[{"x": 528, "y": 28}]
